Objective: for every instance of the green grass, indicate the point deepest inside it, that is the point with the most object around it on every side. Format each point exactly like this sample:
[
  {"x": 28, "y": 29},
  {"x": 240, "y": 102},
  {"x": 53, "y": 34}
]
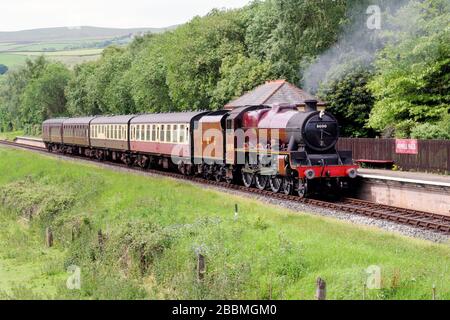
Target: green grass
[
  {"x": 80, "y": 52},
  {"x": 152, "y": 229},
  {"x": 11, "y": 135},
  {"x": 12, "y": 60}
]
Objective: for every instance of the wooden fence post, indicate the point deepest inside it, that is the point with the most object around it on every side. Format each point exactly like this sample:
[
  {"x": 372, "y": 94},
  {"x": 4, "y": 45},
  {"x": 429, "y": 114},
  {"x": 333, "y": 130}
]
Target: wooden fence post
[
  {"x": 49, "y": 237},
  {"x": 201, "y": 267},
  {"x": 321, "y": 291}
]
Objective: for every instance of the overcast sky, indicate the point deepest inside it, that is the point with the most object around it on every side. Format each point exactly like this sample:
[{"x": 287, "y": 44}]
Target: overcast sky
[{"x": 31, "y": 14}]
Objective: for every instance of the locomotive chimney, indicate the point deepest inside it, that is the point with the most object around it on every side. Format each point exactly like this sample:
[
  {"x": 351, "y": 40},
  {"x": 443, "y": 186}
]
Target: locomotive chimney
[{"x": 310, "y": 105}]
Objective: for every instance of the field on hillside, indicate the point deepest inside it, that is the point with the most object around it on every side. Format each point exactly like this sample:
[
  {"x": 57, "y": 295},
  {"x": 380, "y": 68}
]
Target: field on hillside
[
  {"x": 70, "y": 46},
  {"x": 68, "y": 57},
  {"x": 12, "y": 60},
  {"x": 135, "y": 237}
]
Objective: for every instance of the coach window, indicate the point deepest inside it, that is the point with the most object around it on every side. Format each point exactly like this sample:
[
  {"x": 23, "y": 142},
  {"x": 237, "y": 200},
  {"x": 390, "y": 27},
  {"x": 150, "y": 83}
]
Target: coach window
[
  {"x": 175, "y": 134},
  {"x": 169, "y": 133},
  {"x": 147, "y": 137},
  {"x": 162, "y": 133},
  {"x": 187, "y": 135},
  {"x": 143, "y": 132},
  {"x": 153, "y": 133},
  {"x": 182, "y": 134}
]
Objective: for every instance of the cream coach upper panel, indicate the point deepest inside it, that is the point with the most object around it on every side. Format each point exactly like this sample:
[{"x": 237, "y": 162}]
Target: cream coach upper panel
[
  {"x": 109, "y": 132},
  {"x": 160, "y": 133}
]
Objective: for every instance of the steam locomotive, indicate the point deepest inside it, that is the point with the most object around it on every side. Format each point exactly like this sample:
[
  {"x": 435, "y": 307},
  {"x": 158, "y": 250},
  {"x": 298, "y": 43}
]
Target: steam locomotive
[{"x": 267, "y": 147}]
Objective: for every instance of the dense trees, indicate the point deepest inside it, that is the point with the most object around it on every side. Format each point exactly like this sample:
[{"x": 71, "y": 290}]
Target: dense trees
[
  {"x": 377, "y": 82},
  {"x": 32, "y": 94},
  {"x": 412, "y": 82}
]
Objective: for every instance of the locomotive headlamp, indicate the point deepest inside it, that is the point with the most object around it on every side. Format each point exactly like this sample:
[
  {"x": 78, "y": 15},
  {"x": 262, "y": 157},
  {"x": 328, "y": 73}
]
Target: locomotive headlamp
[
  {"x": 352, "y": 173},
  {"x": 310, "y": 174},
  {"x": 322, "y": 114}
]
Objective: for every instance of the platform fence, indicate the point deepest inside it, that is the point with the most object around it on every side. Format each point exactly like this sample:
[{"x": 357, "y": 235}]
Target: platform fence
[{"x": 433, "y": 155}]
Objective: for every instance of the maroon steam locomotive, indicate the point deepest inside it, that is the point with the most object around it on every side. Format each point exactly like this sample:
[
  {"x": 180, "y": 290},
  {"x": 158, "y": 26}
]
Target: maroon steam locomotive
[{"x": 277, "y": 147}]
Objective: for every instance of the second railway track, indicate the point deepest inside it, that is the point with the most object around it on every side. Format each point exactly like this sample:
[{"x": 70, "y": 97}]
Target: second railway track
[{"x": 418, "y": 219}]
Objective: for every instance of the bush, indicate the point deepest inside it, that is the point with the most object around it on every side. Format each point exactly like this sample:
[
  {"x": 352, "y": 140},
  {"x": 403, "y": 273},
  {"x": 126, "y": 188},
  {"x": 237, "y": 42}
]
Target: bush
[
  {"x": 429, "y": 131},
  {"x": 404, "y": 128}
]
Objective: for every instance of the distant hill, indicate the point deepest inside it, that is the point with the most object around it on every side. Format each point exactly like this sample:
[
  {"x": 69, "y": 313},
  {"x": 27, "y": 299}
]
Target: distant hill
[{"x": 72, "y": 34}]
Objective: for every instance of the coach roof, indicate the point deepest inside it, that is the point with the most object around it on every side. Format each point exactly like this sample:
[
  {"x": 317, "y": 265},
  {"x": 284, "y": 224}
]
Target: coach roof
[
  {"x": 84, "y": 120},
  {"x": 55, "y": 121},
  {"x": 113, "y": 120},
  {"x": 181, "y": 117}
]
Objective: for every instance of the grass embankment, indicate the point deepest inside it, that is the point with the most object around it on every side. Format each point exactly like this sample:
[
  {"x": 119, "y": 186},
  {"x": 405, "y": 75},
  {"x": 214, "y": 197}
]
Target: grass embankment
[
  {"x": 152, "y": 229},
  {"x": 10, "y": 136}
]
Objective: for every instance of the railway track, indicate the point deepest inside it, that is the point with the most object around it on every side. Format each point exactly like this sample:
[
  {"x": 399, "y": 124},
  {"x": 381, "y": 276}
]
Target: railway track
[{"x": 419, "y": 219}]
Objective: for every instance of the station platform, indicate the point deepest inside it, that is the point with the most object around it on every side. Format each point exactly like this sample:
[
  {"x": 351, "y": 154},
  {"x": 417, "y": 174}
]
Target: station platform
[
  {"x": 410, "y": 190},
  {"x": 406, "y": 177}
]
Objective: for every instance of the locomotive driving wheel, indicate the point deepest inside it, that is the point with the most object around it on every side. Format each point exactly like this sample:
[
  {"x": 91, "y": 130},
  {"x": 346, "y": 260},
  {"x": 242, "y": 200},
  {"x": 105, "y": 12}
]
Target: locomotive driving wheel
[
  {"x": 261, "y": 181},
  {"x": 288, "y": 186},
  {"x": 276, "y": 184},
  {"x": 248, "y": 179},
  {"x": 302, "y": 189}
]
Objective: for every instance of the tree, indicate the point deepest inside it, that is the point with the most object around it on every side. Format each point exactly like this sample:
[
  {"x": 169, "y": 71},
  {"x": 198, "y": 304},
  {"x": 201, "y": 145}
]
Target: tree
[
  {"x": 80, "y": 91},
  {"x": 351, "y": 102},
  {"x": 194, "y": 56},
  {"x": 239, "y": 75},
  {"x": 44, "y": 97},
  {"x": 412, "y": 82},
  {"x": 148, "y": 78}
]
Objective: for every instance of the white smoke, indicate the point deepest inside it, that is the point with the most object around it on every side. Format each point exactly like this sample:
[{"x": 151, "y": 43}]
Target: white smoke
[{"x": 357, "y": 46}]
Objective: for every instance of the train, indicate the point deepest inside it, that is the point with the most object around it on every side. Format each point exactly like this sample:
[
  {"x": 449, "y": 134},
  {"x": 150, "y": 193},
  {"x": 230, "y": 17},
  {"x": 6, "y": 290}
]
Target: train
[{"x": 270, "y": 147}]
